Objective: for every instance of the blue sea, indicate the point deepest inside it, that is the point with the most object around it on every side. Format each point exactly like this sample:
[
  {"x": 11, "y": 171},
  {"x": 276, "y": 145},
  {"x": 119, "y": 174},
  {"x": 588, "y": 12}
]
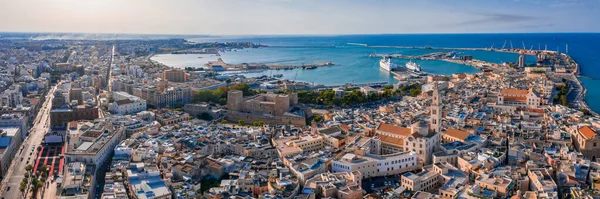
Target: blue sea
[{"x": 355, "y": 65}]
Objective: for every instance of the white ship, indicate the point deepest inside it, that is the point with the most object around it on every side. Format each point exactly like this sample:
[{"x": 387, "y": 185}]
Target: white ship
[
  {"x": 386, "y": 64},
  {"x": 413, "y": 66}
]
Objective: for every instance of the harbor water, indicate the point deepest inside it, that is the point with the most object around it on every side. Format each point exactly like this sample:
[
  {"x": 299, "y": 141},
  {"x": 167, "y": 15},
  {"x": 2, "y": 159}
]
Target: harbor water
[{"x": 354, "y": 65}]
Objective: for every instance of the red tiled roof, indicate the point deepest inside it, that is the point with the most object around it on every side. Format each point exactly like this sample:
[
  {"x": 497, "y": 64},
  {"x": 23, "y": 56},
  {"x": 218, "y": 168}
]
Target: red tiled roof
[
  {"x": 398, "y": 130},
  {"x": 345, "y": 127},
  {"x": 391, "y": 140},
  {"x": 512, "y": 91},
  {"x": 587, "y": 132},
  {"x": 458, "y": 134}
]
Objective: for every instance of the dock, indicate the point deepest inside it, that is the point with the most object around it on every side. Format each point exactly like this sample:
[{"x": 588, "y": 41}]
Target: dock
[
  {"x": 332, "y": 46},
  {"x": 220, "y": 65},
  {"x": 429, "y": 56},
  {"x": 352, "y": 85},
  {"x": 441, "y": 56}
]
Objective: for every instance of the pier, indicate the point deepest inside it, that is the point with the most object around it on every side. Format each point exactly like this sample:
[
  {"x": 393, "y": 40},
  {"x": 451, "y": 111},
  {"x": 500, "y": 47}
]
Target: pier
[
  {"x": 332, "y": 46},
  {"x": 442, "y": 56},
  {"x": 220, "y": 65},
  {"x": 511, "y": 50}
]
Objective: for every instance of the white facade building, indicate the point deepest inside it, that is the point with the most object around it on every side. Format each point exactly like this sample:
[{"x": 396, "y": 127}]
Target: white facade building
[{"x": 127, "y": 104}]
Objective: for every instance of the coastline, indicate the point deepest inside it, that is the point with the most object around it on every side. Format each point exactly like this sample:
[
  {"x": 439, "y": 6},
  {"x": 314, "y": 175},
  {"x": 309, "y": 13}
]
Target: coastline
[{"x": 580, "y": 99}]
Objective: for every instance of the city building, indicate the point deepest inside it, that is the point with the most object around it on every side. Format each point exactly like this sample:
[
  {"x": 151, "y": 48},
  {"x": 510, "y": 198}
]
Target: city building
[
  {"x": 74, "y": 182},
  {"x": 497, "y": 183},
  {"x": 587, "y": 141},
  {"x": 59, "y": 117},
  {"x": 145, "y": 182},
  {"x": 169, "y": 117},
  {"x": 522, "y": 62},
  {"x": 125, "y": 103},
  {"x": 158, "y": 97},
  {"x": 366, "y": 156},
  {"x": 175, "y": 75},
  {"x": 341, "y": 185},
  {"x": 15, "y": 120},
  {"x": 519, "y": 98},
  {"x": 10, "y": 141},
  {"x": 541, "y": 182},
  {"x": 439, "y": 176},
  {"x": 93, "y": 143}
]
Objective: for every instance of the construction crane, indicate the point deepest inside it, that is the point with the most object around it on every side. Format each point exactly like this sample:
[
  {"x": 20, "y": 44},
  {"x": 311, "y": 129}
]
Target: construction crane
[{"x": 296, "y": 75}]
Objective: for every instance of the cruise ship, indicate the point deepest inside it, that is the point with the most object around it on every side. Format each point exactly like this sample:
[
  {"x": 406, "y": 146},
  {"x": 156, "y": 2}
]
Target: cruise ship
[
  {"x": 413, "y": 66},
  {"x": 386, "y": 64}
]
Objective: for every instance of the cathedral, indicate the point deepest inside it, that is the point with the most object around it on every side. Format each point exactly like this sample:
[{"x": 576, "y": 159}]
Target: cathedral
[{"x": 425, "y": 137}]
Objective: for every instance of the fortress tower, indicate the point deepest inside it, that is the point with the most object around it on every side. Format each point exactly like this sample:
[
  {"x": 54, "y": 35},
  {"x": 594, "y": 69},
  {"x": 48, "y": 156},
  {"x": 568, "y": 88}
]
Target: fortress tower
[{"x": 235, "y": 100}]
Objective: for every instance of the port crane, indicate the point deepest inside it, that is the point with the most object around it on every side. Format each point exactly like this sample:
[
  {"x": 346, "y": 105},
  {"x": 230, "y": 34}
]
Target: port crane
[
  {"x": 511, "y": 46},
  {"x": 296, "y": 75},
  {"x": 523, "y": 45},
  {"x": 492, "y": 47},
  {"x": 503, "y": 45}
]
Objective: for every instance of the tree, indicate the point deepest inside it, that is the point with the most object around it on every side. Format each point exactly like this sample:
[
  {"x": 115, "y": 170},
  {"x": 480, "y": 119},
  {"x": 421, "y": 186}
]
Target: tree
[
  {"x": 563, "y": 100},
  {"x": 22, "y": 187},
  {"x": 28, "y": 167},
  {"x": 44, "y": 168},
  {"x": 223, "y": 121},
  {"x": 39, "y": 185},
  {"x": 585, "y": 112},
  {"x": 241, "y": 122},
  {"x": 318, "y": 118},
  {"x": 415, "y": 91}
]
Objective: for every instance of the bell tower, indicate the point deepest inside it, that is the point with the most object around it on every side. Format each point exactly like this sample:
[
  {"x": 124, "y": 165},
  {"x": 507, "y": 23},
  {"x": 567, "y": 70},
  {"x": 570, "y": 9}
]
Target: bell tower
[{"x": 436, "y": 109}]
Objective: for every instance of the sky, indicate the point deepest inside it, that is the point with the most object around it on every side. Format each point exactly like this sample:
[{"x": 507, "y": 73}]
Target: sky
[{"x": 283, "y": 17}]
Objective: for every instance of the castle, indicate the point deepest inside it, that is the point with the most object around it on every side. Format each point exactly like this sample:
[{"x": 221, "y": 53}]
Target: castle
[{"x": 270, "y": 108}]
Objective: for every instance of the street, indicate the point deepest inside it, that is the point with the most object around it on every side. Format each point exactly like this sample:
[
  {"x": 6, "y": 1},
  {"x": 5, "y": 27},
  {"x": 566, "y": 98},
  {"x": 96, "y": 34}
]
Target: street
[{"x": 16, "y": 171}]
